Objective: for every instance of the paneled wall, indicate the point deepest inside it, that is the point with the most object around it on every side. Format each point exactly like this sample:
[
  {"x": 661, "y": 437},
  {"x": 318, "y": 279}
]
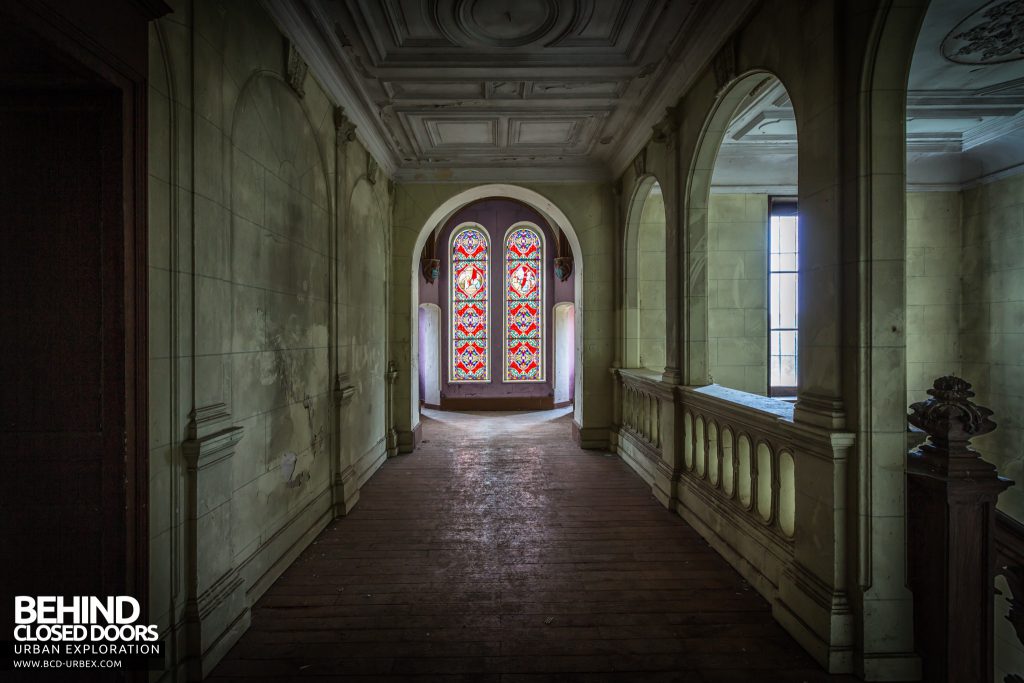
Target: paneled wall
[{"x": 269, "y": 234}]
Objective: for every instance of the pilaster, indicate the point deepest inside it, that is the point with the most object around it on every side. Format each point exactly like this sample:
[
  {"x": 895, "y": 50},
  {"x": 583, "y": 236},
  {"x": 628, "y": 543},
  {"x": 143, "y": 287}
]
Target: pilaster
[{"x": 217, "y": 610}]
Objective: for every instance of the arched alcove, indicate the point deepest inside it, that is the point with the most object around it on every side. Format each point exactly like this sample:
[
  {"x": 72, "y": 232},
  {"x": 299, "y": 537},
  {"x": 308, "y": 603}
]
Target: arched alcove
[
  {"x": 554, "y": 216},
  {"x": 742, "y": 225},
  {"x": 430, "y": 354},
  {"x": 564, "y": 352},
  {"x": 644, "y": 271}
]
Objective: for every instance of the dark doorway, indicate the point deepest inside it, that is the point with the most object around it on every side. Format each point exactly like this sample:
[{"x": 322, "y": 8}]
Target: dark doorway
[{"x": 72, "y": 295}]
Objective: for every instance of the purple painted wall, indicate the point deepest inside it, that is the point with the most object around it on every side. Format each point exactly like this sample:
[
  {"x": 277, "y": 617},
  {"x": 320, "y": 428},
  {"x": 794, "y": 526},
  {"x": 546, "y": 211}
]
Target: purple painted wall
[
  {"x": 497, "y": 215},
  {"x": 428, "y": 291}
]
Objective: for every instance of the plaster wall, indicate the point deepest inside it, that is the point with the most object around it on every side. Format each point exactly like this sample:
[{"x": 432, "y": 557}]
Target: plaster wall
[
  {"x": 257, "y": 301},
  {"x": 738, "y": 291},
  {"x": 933, "y": 289},
  {"x": 992, "y": 322}
]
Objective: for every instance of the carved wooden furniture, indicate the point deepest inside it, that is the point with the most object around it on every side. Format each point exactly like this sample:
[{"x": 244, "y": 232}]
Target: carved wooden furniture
[{"x": 951, "y": 495}]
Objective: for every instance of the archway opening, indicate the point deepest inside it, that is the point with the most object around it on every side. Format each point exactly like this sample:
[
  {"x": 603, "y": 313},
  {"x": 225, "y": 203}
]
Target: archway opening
[
  {"x": 965, "y": 243},
  {"x": 505, "y": 354},
  {"x": 645, "y": 310},
  {"x": 744, "y": 228}
]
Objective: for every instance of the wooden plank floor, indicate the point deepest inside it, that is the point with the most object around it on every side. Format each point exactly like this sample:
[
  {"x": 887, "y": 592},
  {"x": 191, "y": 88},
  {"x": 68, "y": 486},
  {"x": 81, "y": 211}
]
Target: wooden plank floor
[{"x": 499, "y": 551}]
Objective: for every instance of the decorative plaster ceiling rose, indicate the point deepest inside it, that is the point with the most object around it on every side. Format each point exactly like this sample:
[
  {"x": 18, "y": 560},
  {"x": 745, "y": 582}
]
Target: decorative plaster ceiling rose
[{"x": 499, "y": 24}]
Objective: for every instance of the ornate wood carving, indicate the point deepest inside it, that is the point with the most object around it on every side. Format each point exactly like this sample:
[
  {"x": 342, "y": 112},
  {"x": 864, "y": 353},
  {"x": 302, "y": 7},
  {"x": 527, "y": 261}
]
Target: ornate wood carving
[
  {"x": 952, "y": 494},
  {"x": 1010, "y": 565}
]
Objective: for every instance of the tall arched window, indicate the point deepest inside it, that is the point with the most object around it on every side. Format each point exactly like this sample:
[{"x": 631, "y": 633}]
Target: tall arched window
[
  {"x": 524, "y": 304},
  {"x": 470, "y": 295}
]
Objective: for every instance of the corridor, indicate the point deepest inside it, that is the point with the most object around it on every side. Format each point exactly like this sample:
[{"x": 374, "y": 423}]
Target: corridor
[{"x": 500, "y": 551}]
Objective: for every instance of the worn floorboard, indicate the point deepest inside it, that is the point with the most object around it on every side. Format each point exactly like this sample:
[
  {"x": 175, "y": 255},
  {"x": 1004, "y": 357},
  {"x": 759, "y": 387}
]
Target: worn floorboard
[{"x": 499, "y": 551}]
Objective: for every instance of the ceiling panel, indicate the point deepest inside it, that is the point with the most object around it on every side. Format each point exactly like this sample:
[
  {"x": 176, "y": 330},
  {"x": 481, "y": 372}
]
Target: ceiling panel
[{"x": 445, "y": 83}]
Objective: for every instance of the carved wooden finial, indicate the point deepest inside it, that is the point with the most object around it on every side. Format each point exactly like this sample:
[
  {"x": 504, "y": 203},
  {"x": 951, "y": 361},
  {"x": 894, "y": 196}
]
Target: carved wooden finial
[
  {"x": 949, "y": 417},
  {"x": 951, "y": 420}
]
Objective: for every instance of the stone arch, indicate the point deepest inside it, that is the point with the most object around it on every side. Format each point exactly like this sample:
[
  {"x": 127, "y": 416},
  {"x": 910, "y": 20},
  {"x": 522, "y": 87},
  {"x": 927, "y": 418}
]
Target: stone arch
[
  {"x": 635, "y": 247},
  {"x": 555, "y": 217},
  {"x": 695, "y": 225}
]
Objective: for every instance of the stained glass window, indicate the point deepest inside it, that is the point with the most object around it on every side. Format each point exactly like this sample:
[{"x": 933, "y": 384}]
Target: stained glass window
[
  {"x": 470, "y": 295},
  {"x": 524, "y": 307}
]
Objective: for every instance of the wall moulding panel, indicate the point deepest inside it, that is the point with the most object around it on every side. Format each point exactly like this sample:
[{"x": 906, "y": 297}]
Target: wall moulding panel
[{"x": 260, "y": 186}]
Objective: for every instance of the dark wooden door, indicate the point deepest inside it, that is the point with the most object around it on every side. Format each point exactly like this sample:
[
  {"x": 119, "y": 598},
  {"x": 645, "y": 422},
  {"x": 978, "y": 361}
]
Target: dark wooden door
[
  {"x": 72, "y": 300},
  {"x": 62, "y": 351}
]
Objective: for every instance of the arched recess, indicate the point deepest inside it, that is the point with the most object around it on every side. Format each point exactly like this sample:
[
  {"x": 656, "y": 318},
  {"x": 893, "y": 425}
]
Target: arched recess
[
  {"x": 555, "y": 217},
  {"x": 430, "y": 354},
  {"x": 564, "y": 351},
  {"x": 364, "y": 253},
  {"x": 700, "y": 352},
  {"x": 644, "y": 310}
]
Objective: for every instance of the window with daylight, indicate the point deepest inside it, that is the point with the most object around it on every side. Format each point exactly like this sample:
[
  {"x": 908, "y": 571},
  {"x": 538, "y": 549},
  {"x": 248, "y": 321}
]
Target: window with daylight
[
  {"x": 470, "y": 295},
  {"x": 524, "y": 305},
  {"x": 782, "y": 298}
]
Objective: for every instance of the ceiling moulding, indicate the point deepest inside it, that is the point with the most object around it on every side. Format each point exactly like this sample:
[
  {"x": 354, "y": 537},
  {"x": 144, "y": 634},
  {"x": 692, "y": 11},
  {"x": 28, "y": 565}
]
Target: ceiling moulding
[
  {"x": 992, "y": 130},
  {"x": 717, "y": 25},
  {"x": 776, "y": 190},
  {"x": 507, "y": 174},
  {"x": 300, "y": 25}
]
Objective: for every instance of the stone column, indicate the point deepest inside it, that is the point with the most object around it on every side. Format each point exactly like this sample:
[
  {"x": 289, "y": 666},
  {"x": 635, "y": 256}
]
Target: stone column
[
  {"x": 952, "y": 496},
  {"x": 666, "y": 134}
]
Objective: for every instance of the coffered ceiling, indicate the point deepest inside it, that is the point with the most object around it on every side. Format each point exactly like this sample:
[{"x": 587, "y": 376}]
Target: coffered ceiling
[{"x": 506, "y": 89}]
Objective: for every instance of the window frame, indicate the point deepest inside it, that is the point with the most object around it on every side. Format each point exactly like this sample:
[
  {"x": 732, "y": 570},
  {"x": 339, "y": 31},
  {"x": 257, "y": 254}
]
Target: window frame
[{"x": 781, "y": 206}]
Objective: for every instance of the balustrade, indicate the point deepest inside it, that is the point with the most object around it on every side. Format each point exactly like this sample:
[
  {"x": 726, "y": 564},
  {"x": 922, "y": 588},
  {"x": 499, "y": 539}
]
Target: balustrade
[
  {"x": 737, "y": 468},
  {"x": 736, "y": 450},
  {"x": 644, "y": 400}
]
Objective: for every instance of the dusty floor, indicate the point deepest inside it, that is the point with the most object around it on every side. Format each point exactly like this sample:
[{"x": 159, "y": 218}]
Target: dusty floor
[{"x": 499, "y": 551}]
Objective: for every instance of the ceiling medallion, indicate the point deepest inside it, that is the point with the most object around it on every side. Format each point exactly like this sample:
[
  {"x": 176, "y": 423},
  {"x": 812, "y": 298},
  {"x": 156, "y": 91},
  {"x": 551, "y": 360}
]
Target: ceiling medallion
[
  {"x": 502, "y": 23},
  {"x": 990, "y": 35}
]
